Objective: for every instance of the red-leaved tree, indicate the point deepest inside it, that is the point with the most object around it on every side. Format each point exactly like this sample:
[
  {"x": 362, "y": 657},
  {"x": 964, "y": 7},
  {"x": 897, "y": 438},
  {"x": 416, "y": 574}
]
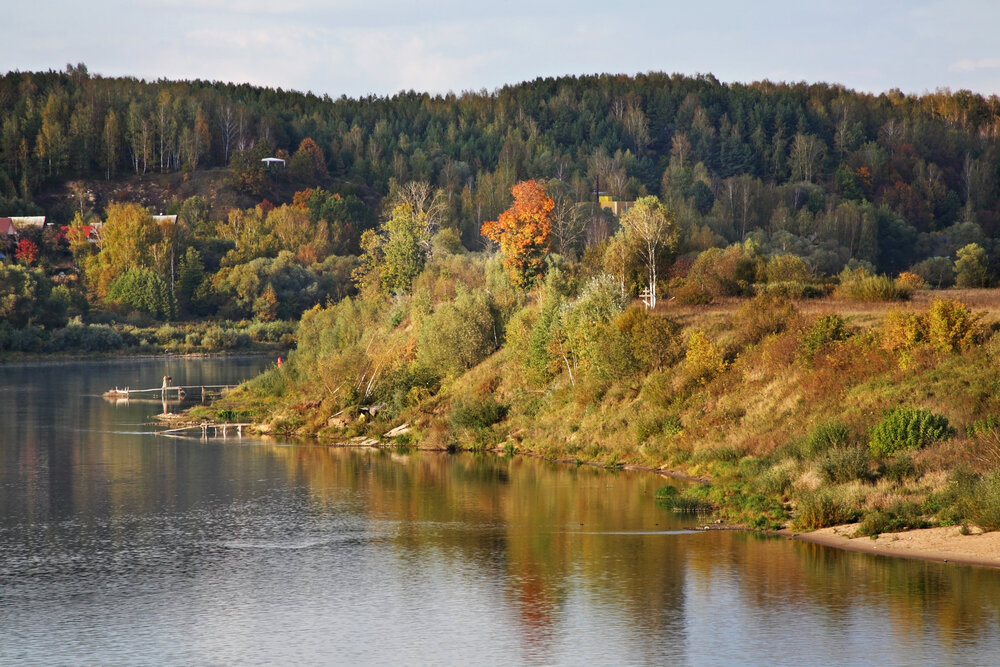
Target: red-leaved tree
[
  {"x": 27, "y": 251},
  {"x": 523, "y": 232}
]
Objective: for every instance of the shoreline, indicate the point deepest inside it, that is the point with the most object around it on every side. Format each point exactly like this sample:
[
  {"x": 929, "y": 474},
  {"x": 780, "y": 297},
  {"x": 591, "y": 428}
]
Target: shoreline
[
  {"x": 941, "y": 544},
  {"x": 46, "y": 357}
]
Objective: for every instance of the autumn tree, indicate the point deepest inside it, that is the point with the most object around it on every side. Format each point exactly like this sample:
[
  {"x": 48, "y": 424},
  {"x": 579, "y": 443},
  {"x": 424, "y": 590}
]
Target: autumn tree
[
  {"x": 523, "y": 232},
  {"x": 651, "y": 225},
  {"x": 308, "y": 165},
  {"x": 26, "y": 252},
  {"x": 126, "y": 242}
]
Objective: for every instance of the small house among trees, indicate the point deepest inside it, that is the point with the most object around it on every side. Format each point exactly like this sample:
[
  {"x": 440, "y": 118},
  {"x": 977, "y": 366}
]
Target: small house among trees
[
  {"x": 608, "y": 202},
  {"x": 7, "y": 228}
]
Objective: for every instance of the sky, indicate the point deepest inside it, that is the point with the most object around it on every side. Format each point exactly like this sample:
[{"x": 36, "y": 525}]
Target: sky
[{"x": 363, "y": 47}]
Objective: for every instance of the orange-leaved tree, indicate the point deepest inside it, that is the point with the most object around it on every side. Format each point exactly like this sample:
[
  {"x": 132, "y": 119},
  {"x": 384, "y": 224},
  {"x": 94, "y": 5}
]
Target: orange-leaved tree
[{"x": 524, "y": 232}]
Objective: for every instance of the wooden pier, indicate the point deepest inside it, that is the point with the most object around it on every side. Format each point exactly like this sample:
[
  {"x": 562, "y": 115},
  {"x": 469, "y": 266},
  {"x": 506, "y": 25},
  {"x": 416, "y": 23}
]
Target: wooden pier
[
  {"x": 207, "y": 427},
  {"x": 181, "y": 391}
]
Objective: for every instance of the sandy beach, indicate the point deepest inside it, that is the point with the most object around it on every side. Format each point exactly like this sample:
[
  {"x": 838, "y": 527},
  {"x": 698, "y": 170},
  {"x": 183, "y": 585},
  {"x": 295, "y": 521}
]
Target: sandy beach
[{"x": 936, "y": 544}]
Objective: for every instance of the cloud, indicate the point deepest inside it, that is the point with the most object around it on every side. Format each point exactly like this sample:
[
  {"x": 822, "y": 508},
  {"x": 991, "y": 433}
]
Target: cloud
[{"x": 974, "y": 65}]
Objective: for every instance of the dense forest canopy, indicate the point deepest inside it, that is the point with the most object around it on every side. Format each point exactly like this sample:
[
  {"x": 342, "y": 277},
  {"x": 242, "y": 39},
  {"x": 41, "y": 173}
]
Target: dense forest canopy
[{"x": 818, "y": 171}]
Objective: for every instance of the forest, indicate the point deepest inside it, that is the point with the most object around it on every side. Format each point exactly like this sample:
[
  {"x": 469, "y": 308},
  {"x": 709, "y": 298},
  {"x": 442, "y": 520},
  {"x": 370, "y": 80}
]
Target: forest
[
  {"x": 815, "y": 169},
  {"x": 765, "y": 284},
  {"x": 883, "y": 184}
]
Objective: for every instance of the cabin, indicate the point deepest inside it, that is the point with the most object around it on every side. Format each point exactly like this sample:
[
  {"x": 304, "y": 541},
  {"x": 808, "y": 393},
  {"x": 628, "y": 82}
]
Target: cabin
[
  {"x": 7, "y": 229},
  {"x": 272, "y": 162},
  {"x": 26, "y": 221},
  {"x": 160, "y": 219},
  {"x": 616, "y": 207}
]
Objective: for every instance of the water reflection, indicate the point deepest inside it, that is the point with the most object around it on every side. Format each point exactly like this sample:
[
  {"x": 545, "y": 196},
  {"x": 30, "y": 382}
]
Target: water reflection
[{"x": 120, "y": 546}]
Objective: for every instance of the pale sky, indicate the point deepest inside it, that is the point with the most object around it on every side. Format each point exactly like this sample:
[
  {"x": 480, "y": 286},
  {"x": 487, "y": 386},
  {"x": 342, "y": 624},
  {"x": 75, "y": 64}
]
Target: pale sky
[{"x": 362, "y": 47}]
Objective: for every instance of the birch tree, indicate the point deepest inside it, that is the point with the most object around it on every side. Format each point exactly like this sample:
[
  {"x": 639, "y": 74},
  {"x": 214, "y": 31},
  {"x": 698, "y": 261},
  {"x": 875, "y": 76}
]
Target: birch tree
[{"x": 652, "y": 226}]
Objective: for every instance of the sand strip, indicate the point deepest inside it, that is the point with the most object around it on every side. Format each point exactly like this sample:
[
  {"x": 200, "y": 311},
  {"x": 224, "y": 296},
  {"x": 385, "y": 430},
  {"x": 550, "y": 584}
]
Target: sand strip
[{"x": 946, "y": 545}]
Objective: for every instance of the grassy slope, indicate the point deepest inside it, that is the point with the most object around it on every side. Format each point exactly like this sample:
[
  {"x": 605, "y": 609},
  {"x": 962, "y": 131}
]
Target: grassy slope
[{"x": 748, "y": 428}]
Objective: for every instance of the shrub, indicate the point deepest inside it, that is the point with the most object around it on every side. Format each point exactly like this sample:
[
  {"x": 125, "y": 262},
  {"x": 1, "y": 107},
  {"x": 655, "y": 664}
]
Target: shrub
[
  {"x": 219, "y": 338},
  {"x": 168, "y": 334},
  {"x": 909, "y": 282},
  {"x": 859, "y": 285},
  {"x": 90, "y": 338},
  {"x": 459, "y": 334},
  {"x": 666, "y": 491},
  {"x": 982, "y": 505},
  {"x": 952, "y": 327},
  {"x": 703, "y": 359},
  {"x": 726, "y": 272},
  {"x": 763, "y": 316},
  {"x": 902, "y": 331},
  {"x": 898, "y": 517},
  {"x": 907, "y": 429},
  {"x": 897, "y": 469},
  {"x": 789, "y": 289},
  {"x": 824, "y": 437},
  {"x": 647, "y": 426},
  {"x": 787, "y": 268},
  {"x": 845, "y": 464},
  {"x": 476, "y": 413},
  {"x": 821, "y": 509},
  {"x": 936, "y": 272},
  {"x": 822, "y": 332},
  {"x": 270, "y": 332}
]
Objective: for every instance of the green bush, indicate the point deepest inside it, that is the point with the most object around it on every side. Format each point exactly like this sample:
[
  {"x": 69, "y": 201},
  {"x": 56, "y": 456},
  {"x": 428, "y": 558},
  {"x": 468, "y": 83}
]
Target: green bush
[
  {"x": 859, "y": 285},
  {"x": 459, "y": 334},
  {"x": 981, "y": 503},
  {"x": 219, "y": 338},
  {"x": 824, "y": 437},
  {"x": 820, "y": 334},
  {"x": 900, "y": 516},
  {"x": 952, "y": 327},
  {"x": 821, "y": 509},
  {"x": 270, "y": 332},
  {"x": 476, "y": 413},
  {"x": 898, "y": 469},
  {"x": 907, "y": 429},
  {"x": 789, "y": 289},
  {"x": 841, "y": 465},
  {"x": 90, "y": 338},
  {"x": 646, "y": 427}
]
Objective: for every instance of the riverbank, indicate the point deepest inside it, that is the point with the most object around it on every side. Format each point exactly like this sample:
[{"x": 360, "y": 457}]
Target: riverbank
[
  {"x": 804, "y": 415},
  {"x": 956, "y": 544},
  {"x": 116, "y": 339},
  {"x": 945, "y": 544}
]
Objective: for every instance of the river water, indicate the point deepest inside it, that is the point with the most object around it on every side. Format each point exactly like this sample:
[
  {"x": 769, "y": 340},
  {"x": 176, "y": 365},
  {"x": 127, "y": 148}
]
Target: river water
[{"x": 118, "y": 546}]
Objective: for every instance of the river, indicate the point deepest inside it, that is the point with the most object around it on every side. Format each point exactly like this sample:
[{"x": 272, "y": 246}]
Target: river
[{"x": 118, "y": 546}]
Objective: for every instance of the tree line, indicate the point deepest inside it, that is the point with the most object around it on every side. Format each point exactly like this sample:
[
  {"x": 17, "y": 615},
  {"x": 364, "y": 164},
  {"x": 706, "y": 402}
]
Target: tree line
[{"x": 739, "y": 157}]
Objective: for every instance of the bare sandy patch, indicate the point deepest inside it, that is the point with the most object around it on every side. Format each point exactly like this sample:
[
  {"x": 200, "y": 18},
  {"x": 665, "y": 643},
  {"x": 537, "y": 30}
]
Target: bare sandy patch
[{"x": 946, "y": 544}]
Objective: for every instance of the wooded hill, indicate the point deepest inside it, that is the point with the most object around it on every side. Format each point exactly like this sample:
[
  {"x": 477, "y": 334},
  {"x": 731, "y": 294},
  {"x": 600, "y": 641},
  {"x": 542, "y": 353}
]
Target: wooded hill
[{"x": 816, "y": 170}]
